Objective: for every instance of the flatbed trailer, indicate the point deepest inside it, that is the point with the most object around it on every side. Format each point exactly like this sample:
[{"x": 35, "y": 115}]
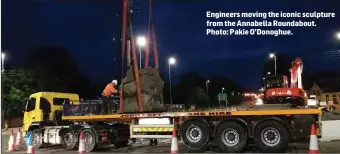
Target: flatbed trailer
[{"x": 271, "y": 130}]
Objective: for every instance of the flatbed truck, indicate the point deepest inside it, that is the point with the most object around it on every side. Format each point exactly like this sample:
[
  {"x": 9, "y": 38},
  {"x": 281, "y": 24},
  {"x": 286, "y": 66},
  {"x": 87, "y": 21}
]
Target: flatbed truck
[{"x": 271, "y": 130}]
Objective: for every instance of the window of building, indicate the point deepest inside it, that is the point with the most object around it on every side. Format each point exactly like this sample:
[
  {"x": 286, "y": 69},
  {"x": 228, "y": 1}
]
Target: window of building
[
  {"x": 61, "y": 101},
  {"x": 30, "y": 104}
]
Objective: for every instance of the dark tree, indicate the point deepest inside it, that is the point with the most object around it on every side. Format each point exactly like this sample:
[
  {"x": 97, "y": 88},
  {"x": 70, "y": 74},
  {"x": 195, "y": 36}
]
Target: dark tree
[
  {"x": 192, "y": 89},
  {"x": 187, "y": 88},
  {"x": 56, "y": 71},
  {"x": 231, "y": 88},
  {"x": 18, "y": 85},
  {"x": 310, "y": 78}
]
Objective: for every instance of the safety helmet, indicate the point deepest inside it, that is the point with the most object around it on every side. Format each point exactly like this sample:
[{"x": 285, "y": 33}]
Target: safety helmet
[{"x": 115, "y": 82}]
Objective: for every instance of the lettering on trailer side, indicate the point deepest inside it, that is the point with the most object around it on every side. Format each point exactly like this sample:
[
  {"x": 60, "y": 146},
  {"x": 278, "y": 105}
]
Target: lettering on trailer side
[
  {"x": 162, "y": 114},
  {"x": 209, "y": 113},
  {"x": 154, "y": 114},
  {"x": 142, "y": 115},
  {"x": 127, "y": 115}
]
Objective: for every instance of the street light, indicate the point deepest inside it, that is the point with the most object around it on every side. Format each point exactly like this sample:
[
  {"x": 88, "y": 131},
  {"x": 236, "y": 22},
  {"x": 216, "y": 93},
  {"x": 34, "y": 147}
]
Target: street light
[
  {"x": 273, "y": 56},
  {"x": 172, "y": 61},
  {"x": 141, "y": 42},
  {"x": 338, "y": 35},
  {"x": 207, "y": 86},
  {"x": 3, "y": 56},
  {"x": 222, "y": 89}
]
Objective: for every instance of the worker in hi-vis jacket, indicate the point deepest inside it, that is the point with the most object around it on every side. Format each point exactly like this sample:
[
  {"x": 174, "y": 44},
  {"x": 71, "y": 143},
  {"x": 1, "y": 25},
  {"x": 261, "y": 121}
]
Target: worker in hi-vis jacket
[{"x": 109, "y": 91}]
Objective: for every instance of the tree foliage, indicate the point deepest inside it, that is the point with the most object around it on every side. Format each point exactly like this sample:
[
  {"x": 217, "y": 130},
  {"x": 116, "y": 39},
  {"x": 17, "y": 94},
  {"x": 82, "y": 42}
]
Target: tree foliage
[
  {"x": 18, "y": 85},
  {"x": 192, "y": 89},
  {"x": 310, "y": 78},
  {"x": 56, "y": 71}
]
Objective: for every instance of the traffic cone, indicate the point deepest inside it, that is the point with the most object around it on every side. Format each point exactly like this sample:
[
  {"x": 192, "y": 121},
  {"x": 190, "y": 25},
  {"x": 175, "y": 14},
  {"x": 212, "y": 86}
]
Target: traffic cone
[
  {"x": 174, "y": 144},
  {"x": 18, "y": 140},
  {"x": 82, "y": 143},
  {"x": 11, "y": 146},
  {"x": 30, "y": 148},
  {"x": 313, "y": 144}
]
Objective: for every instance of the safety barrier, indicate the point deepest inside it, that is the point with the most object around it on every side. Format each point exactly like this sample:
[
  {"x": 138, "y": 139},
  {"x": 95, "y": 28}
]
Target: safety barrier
[{"x": 330, "y": 130}]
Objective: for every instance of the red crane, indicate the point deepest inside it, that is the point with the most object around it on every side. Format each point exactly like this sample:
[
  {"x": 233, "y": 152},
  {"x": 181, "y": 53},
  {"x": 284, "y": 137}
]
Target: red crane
[
  {"x": 126, "y": 20},
  {"x": 279, "y": 92},
  {"x": 296, "y": 71}
]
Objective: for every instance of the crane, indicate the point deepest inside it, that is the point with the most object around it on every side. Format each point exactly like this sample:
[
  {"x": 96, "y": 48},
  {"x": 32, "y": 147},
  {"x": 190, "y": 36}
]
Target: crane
[
  {"x": 296, "y": 71},
  {"x": 278, "y": 91},
  {"x": 151, "y": 36}
]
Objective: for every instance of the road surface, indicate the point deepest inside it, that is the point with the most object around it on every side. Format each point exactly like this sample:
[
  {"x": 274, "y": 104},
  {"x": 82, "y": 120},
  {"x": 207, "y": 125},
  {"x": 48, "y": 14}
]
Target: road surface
[{"x": 164, "y": 147}]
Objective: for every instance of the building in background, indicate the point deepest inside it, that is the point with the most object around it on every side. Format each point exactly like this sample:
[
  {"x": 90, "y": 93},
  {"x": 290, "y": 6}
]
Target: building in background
[{"x": 327, "y": 92}]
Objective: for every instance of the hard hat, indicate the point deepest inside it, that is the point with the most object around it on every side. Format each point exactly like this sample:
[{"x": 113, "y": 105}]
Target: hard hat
[{"x": 115, "y": 82}]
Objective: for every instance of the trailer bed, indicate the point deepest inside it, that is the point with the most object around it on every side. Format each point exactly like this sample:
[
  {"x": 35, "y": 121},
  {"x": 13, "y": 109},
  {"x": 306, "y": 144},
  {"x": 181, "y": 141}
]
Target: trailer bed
[{"x": 258, "y": 112}]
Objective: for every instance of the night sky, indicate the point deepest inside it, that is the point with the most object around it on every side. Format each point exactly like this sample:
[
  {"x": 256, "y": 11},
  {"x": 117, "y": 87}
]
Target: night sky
[{"x": 89, "y": 28}]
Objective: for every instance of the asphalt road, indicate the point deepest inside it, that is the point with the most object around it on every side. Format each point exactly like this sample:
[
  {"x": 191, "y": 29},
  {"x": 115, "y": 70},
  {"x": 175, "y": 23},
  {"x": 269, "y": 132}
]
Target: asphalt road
[{"x": 164, "y": 147}]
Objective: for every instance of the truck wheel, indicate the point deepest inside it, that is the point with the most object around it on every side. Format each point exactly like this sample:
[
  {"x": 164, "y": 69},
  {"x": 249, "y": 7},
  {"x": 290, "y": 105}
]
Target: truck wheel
[
  {"x": 37, "y": 139},
  {"x": 271, "y": 136},
  {"x": 68, "y": 139},
  {"x": 195, "y": 134},
  {"x": 231, "y": 137},
  {"x": 90, "y": 140}
]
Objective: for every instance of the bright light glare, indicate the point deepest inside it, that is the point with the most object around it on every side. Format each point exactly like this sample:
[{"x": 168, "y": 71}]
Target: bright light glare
[
  {"x": 3, "y": 55},
  {"x": 208, "y": 81},
  {"x": 259, "y": 101},
  {"x": 271, "y": 55},
  {"x": 222, "y": 88},
  {"x": 154, "y": 121},
  {"x": 141, "y": 41},
  {"x": 338, "y": 35},
  {"x": 172, "y": 60}
]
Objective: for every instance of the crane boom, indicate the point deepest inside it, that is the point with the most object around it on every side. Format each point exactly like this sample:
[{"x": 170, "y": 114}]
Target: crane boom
[{"x": 296, "y": 71}]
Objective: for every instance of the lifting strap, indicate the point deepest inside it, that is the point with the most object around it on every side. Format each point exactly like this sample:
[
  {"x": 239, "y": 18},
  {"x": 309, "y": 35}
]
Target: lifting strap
[
  {"x": 151, "y": 39},
  {"x": 155, "y": 46},
  {"x": 135, "y": 66},
  {"x": 147, "y": 50},
  {"x": 125, "y": 6}
]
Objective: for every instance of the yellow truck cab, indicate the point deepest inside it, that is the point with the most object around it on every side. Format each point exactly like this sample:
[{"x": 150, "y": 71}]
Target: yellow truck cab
[{"x": 46, "y": 107}]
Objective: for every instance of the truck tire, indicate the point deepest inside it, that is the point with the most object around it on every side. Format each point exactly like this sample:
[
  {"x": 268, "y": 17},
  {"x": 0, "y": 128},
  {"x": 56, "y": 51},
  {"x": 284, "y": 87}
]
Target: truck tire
[
  {"x": 68, "y": 139},
  {"x": 37, "y": 139},
  {"x": 194, "y": 134},
  {"x": 90, "y": 140},
  {"x": 231, "y": 137},
  {"x": 271, "y": 136}
]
